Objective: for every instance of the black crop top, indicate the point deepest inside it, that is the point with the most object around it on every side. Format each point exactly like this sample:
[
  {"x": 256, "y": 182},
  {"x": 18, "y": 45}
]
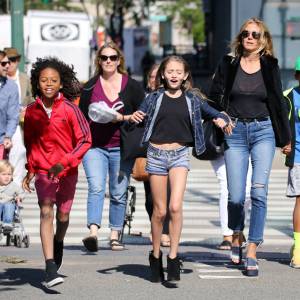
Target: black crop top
[
  {"x": 248, "y": 98},
  {"x": 173, "y": 124}
]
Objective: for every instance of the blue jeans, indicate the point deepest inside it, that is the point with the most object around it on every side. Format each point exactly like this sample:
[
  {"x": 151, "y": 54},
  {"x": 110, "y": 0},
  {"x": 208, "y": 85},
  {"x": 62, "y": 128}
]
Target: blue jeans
[
  {"x": 257, "y": 140},
  {"x": 7, "y": 211},
  {"x": 98, "y": 163}
]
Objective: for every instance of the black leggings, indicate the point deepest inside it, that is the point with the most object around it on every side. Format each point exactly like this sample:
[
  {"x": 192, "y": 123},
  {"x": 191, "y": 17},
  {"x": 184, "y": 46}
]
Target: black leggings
[{"x": 149, "y": 205}]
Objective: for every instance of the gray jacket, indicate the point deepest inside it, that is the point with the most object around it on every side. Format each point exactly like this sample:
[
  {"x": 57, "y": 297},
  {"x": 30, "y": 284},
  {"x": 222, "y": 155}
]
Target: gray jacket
[
  {"x": 8, "y": 193},
  {"x": 9, "y": 108}
]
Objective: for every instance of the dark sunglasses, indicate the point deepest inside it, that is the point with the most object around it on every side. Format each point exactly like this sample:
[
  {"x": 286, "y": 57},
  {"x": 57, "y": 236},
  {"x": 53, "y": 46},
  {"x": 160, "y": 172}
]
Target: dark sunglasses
[
  {"x": 4, "y": 63},
  {"x": 111, "y": 57},
  {"x": 13, "y": 59},
  {"x": 246, "y": 33}
]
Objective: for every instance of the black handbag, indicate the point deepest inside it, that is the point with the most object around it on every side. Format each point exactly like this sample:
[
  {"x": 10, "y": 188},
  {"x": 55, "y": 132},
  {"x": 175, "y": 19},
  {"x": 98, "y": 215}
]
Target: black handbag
[
  {"x": 213, "y": 138},
  {"x": 131, "y": 141}
]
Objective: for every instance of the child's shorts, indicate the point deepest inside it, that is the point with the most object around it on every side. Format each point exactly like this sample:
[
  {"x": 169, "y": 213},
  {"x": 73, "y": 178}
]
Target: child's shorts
[
  {"x": 159, "y": 161},
  {"x": 293, "y": 187},
  {"x": 59, "y": 191}
]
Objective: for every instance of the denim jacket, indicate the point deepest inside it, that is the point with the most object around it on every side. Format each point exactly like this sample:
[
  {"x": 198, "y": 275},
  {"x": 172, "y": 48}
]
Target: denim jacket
[{"x": 197, "y": 107}]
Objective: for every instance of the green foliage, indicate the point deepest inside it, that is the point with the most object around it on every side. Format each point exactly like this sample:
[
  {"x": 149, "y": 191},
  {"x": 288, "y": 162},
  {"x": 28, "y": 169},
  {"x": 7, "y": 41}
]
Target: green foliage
[
  {"x": 62, "y": 5},
  {"x": 189, "y": 15}
]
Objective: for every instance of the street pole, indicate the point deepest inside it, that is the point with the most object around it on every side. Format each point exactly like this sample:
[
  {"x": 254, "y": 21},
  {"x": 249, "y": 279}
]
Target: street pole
[{"x": 17, "y": 28}]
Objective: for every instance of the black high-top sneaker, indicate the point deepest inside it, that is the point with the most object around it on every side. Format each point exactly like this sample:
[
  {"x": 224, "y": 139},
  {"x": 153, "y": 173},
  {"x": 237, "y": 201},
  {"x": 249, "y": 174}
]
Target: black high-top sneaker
[
  {"x": 173, "y": 268},
  {"x": 52, "y": 278},
  {"x": 156, "y": 267},
  {"x": 58, "y": 248}
]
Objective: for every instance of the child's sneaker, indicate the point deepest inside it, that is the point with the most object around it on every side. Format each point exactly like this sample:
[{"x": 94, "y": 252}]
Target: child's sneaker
[
  {"x": 58, "y": 248},
  {"x": 295, "y": 261},
  {"x": 52, "y": 278}
]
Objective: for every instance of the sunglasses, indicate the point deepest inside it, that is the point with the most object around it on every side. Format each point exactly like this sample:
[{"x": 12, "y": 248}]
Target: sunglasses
[
  {"x": 13, "y": 59},
  {"x": 246, "y": 33},
  {"x": 4, "y": 63},
  {"x": 111, "y": 57}
]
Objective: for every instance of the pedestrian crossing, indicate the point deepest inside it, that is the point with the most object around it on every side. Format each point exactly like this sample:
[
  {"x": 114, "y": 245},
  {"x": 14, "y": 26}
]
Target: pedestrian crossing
[{"x": 201, "y": 212}]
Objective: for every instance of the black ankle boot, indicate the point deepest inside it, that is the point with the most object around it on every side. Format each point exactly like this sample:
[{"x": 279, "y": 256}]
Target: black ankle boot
[
  {"x": 173, "y": 269},
  {"x": 157, "y": 272}
]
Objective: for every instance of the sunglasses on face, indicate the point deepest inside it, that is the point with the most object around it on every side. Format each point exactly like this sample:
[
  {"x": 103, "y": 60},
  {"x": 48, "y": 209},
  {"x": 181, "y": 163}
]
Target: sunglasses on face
[
  {"x": 246, "y": 33},
  {"x": 4, "y": 63},
  {"x": 111, "y": 57},
  {"x": 13, "y": 59}
]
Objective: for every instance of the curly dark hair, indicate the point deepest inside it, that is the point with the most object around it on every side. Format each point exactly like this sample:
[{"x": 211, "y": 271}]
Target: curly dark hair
[{"x": 70, "y": 85}]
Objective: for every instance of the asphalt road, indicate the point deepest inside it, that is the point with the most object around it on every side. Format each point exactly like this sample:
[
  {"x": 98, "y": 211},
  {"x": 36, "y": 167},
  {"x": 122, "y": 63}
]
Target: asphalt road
[{"x": 125, "y": 275}]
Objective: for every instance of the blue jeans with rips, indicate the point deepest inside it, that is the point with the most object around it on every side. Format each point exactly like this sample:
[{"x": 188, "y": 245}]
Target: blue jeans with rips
[
  {"x": 257, "y": 140},
  {"x": 98, "y": 163}
]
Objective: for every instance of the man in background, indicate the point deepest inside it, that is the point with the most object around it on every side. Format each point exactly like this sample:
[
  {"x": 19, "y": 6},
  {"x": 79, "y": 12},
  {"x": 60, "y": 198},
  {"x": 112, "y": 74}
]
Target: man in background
[
  {"x": 9, "y": 107},
  {"x": 17, "y": 156}
]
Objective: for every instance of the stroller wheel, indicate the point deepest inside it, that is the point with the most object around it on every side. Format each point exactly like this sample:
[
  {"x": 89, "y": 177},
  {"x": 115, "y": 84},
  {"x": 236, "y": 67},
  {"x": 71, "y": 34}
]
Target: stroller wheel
[
  {"x": 18, "y": 241},
  {"x": 26, "y": 241},
  {"x": 8, "y": 239}
]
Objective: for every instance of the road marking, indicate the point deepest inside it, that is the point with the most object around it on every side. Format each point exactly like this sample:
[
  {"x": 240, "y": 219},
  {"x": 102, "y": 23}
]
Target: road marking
[
  {"x": 223, "y": 277},
  {"x": 217, "y": 271}
]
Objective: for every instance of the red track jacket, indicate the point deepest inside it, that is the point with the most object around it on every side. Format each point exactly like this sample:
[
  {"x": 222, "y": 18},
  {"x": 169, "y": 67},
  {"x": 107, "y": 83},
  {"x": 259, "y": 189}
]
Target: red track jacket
[{"x": 64, "y": 138}]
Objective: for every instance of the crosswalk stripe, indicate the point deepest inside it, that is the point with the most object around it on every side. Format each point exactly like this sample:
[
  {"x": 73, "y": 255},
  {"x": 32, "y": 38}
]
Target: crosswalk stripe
[{"x": 201, "y": 211}]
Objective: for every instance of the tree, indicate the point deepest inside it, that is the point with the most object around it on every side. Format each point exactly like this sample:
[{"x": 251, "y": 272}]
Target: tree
[
  {"x": 50, "y": 5},
  {"x": 189, "y": 15}
]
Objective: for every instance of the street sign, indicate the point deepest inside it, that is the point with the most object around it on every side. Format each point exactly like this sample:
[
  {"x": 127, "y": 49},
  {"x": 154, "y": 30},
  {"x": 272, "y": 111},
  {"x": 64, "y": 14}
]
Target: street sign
[{"x": 293, "y": 28}]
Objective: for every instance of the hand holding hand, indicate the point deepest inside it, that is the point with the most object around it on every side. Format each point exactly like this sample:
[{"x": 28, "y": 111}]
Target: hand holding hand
[
  {"x": 287, "y": 149},
  {"x": 220, "y": 122},
  {"x": 55, "y": 170},
  {"x": 26, "y": 182},
  {"x": 137, "y": 117}
]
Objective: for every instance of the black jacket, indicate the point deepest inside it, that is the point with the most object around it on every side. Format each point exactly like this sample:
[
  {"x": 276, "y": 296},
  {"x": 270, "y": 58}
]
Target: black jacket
[
  {"x": 132, "y": 96},
  {"x": 222, "y": 85}
]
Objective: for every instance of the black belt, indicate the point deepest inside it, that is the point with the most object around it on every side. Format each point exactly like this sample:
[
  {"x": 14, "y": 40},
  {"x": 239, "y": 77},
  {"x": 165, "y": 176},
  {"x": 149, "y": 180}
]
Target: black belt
[{"x": 249, "y": 120}]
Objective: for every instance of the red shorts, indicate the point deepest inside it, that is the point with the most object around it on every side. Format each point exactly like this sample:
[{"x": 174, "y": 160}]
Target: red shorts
[{"x": 59, "y": 191}]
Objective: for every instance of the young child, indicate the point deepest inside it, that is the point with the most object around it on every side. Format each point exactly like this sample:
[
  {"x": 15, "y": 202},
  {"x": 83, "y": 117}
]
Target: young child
[
  {"x": 56, "y": 137},
  {"x": 173, "y": 124},
  {"x": 10, "y": 194},
  {"x": 293, "y": 162}
]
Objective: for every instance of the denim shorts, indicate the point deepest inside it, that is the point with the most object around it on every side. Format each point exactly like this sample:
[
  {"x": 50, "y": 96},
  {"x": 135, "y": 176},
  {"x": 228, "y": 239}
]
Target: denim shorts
[{"x": 159, "y": 161}]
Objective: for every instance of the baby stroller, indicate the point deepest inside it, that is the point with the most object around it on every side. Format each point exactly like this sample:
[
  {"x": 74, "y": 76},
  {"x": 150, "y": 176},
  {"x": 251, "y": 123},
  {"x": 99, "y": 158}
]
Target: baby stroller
[
  {"x": 130, "y": 209},
  {"x": 15, "y": 235}
]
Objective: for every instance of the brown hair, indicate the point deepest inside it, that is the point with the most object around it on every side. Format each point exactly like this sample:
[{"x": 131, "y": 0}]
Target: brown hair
[
  {"x": 2, "y": 54},
  {"x": 160, "y": 81},
  {"x": 187, "y": 84},
  {"x": 265, "y": 40},
  {"x": 121, "y": 66},
  {"x": 153, "y": 67}
]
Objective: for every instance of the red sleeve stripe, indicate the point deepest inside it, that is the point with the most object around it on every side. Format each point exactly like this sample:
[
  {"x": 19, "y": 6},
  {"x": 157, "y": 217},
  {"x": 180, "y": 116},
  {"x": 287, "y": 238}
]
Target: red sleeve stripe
[{"x": 82, "y": 124}]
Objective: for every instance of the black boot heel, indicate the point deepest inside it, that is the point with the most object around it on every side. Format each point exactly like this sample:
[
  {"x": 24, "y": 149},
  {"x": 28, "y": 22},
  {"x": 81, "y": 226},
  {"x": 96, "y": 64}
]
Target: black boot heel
[
  {"x": 173, "y": 269},
  {"x": 156, "y": 267}
]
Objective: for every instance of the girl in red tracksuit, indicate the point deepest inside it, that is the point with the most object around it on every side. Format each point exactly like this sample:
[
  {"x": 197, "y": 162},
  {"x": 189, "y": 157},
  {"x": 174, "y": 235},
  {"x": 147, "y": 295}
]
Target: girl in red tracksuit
[{"x": 56, "y": 137}]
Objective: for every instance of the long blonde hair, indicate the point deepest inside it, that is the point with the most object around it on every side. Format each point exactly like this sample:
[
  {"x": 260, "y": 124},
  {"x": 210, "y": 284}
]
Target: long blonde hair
[
  {"x": 121, "y": 66},
  {"x": 265, "y": 40}
]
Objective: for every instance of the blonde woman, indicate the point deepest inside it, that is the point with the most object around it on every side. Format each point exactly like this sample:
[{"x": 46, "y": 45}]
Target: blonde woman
[
  {"x": 111, "y": 153},
  {"x": 247, "y": 86}
]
